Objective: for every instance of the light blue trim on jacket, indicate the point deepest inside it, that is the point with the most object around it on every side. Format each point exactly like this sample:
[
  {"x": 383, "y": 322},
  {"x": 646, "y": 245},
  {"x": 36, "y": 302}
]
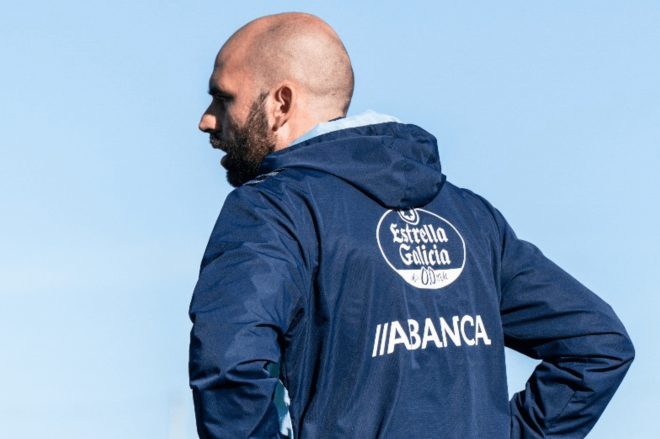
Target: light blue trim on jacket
[{"x": 369, "y": 117}]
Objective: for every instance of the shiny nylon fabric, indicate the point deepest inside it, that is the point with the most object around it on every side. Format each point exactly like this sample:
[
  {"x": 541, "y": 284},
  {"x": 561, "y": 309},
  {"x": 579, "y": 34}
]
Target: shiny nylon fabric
[
  {"x": 396, "y": 164},
  {"x": 293, "y": 273}
]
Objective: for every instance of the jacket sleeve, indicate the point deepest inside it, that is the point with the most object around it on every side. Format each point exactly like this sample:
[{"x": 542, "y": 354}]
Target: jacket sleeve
[
  {"x": 585, "y": 350},
  {"x": 251, "y": 282}
]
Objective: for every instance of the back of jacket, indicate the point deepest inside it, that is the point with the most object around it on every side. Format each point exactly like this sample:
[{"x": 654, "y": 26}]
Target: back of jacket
[{"x": 388, "y": 294}]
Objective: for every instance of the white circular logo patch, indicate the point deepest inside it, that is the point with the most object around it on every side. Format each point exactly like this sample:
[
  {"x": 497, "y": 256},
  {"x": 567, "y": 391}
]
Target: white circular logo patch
[{"x": 425, "y": 249}]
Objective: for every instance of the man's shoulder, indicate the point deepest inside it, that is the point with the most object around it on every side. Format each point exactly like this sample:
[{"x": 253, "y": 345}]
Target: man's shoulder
[
  {"x": 473, "y": 208},
  {"x": 293, "y": 181},
  {"x": 467, "y": 196},
  {"x": 288, "y": 176},
  {"x": 286, "y": 191}
]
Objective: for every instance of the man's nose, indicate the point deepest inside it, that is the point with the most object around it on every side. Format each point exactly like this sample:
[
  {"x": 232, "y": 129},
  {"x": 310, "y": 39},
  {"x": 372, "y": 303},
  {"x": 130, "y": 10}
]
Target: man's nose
[{"x": 208, "y": 122}]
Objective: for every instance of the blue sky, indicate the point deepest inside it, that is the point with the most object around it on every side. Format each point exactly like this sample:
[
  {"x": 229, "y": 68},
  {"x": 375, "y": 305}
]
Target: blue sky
[{"x": 108, "y": 191}]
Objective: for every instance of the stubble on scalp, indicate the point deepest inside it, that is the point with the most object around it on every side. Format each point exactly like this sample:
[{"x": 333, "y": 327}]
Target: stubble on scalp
[
  {"x": 248, "y": 144},
  {"x": 301, "y": 48}
]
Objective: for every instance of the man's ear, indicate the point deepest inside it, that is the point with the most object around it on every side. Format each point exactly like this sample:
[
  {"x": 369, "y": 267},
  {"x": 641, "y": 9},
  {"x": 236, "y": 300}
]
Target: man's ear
[{"x": 282, "y": 105}]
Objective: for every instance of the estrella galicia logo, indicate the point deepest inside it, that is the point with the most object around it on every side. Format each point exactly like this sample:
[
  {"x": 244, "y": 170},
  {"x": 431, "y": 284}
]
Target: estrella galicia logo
[{"x": 424, "y": 248}]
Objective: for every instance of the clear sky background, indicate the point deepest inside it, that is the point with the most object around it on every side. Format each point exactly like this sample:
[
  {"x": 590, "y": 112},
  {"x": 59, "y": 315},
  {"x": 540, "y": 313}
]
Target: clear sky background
[{"x": 551, "y": 110}]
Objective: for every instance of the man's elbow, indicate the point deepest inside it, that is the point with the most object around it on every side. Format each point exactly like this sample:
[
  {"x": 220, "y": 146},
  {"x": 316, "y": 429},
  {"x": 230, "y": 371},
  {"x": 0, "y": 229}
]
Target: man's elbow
[
  {"x": 627, "y": 349},
  {"x": 614, "y": 359}
]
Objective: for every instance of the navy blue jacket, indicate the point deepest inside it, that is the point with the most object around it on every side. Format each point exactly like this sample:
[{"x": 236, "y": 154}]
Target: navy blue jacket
[{"x": 388, "y": 295}]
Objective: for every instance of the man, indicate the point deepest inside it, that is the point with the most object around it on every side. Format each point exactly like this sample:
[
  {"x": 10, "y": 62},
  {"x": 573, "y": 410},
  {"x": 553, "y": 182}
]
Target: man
[{"x": 385, "y": 294}]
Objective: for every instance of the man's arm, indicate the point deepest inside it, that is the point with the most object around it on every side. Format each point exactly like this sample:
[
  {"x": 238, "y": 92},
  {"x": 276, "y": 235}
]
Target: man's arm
[
  {"x": 548, "y": 315},
  {"x": 250, "y": 286}
]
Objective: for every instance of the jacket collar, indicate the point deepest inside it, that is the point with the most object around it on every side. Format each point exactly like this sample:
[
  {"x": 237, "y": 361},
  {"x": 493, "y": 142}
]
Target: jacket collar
[{"x": 369, "y": 117}]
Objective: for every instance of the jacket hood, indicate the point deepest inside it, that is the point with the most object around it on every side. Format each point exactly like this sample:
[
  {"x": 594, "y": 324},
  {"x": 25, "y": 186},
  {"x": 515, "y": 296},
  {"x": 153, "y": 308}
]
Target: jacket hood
[{"x": 395, "y": 163}]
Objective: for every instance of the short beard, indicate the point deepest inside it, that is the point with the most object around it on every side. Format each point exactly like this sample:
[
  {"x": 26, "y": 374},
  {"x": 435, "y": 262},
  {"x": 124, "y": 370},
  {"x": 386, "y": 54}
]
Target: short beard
[{"x": 248, "y": 145}]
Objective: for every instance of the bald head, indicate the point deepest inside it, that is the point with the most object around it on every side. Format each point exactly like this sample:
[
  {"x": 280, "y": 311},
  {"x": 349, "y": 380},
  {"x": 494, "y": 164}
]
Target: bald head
[
  {"x": 273, "y": 81},
  {"x": 300, "y": 48}
]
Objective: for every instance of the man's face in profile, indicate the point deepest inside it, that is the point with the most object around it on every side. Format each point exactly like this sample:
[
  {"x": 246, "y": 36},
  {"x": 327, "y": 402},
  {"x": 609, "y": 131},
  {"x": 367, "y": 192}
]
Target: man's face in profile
[
  {"x": 246, "y": 146},
  {"x": 245, "y": 143}
]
